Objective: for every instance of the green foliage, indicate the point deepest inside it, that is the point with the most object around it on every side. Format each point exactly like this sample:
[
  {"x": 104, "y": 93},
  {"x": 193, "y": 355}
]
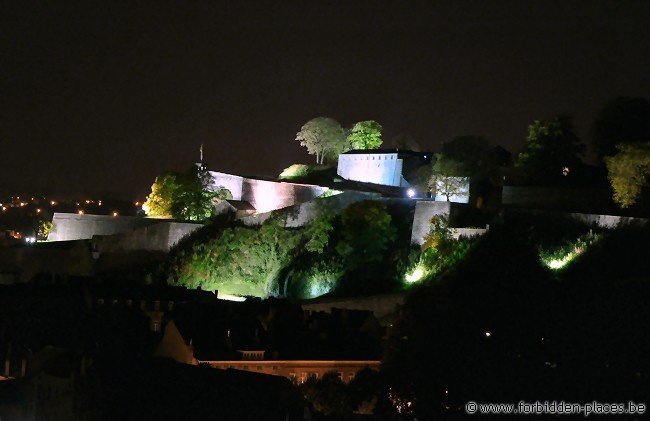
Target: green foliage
[
  {"x": 43, "y": 228},
  {"x": 628, "y": 172},
  {"x": 295, "y": 171},
  {"x": 552, "y": 151},
  {"x": 185, "y": 196},
  {"x": 366, "y": 233},
  {"x": 440, "y": 251},
  {"x": 328, "y": 395},
  {"x": 159, "y": 201},
  {"x": 323, "y": 137},
  {"x": 365, "y": 135},
  {"x": 558, "y": 257},
  {"x": 405, "y": 142},
  {"x": 318, "y": 232},
  {"x": 622, "y": 120},
  {"x": 447, "y": 176},
  {"x": 239, "y": 261}
]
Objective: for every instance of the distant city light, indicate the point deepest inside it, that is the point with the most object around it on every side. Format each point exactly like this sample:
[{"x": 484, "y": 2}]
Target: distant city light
[
  {"x": 80, "y": 212},
  {"x": 488, "y": 333},
  {"x": 88, "y": 201},
  {"x": 4, "y": 208},
  {"x": 410, "y": 192},
  {"x": 53, "y": 203},
  {"x": 99, "y": 202},
  {"x": 30, "y": 240},
  {"x": 137, "y": 203},
  {"x": 38, "y": 210},
  {"x": 115, "y": 213}
]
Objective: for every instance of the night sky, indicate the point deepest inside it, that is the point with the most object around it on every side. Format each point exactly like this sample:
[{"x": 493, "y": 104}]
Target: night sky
[{"x": 100, "y": 97}]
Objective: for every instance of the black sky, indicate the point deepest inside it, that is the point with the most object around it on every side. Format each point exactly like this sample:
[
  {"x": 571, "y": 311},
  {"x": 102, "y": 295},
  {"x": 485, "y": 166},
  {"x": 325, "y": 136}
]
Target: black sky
[{"x": 102, "y": 96}]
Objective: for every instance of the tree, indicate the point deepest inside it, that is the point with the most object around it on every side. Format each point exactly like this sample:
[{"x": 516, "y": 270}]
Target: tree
[
  {"x": 448, "y": 177},
  {"x": 186, "y": 196},
  {"x": 552, "y": 150},
  {"x": 328, "y": 395},
  {"x": 622, "y": 120},
  {"x": 472, "y": 151},
  {"x": 366, "y": 233},
  {"x": 628, "y": 172},
  {"x": 159, "y": 201},
  {"x": 405, "y": 142},
  {"x": 365, "y": 135},
  {"x": 323, "y": 137}
]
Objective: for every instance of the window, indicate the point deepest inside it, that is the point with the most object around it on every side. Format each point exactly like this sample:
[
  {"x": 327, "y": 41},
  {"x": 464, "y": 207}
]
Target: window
[
  {"x": 340, "y": 375},
  {"x": 313, "y": 375},
  {"x": 260, "y": 368},
  {"x": 303, "y": 377},
  {"x": 292, "y": 377},
  {"x": 350, "y": 376}
]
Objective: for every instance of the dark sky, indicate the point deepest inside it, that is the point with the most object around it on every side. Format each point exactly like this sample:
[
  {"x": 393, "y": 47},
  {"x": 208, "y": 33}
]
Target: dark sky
[{"x": 103, "y": 96}]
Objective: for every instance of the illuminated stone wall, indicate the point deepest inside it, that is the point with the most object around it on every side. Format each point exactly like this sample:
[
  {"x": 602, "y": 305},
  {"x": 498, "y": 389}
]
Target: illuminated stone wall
[
  {"x": 377, "y": 168},
  {"x": 424, "y": 211},
  {"x": 159, "y": 237},
  {"x": 71, "y": 226},
  {"x": 266, "y": 195}
]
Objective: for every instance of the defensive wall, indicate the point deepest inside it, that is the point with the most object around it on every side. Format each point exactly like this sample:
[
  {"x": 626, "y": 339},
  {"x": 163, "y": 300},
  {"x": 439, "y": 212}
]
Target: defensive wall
[
  {"x": 72, "y": 226},
  {"x": 160, "y": 237},
  {"x": 552, "y": 198},
  {"x": 265, "y": 195},
  {"x": 427, "y": 209},
  {"x": 383, "y": 306},
  {"x": 377, "y": 168},
  {"x": 599, "y": 220}
]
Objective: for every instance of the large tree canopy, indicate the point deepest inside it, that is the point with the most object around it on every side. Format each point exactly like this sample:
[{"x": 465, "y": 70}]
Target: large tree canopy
[
  {"x": 188, "y": 196},
  {"x": 447, "y": 176},
  {"x": 323, "y": 137},
  {"x": 365, "y": 135},
  {"x": 628, "y": 172},
  {"x": 622, "y": 120},
  {"x": 159, "y": 201},
  {"x": 552, "y": 151}
]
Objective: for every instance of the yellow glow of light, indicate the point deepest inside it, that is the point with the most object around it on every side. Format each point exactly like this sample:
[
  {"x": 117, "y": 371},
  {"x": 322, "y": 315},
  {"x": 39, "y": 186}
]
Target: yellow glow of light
[
  {"x": 53, "y": 203},
  {"x": 80, "y": 212},
  {"x": 414, "y": 276},
  {"x": 137, "y": 203},
  {"x": 115, "y": 213},
  {"x": 38, "y": 211}
]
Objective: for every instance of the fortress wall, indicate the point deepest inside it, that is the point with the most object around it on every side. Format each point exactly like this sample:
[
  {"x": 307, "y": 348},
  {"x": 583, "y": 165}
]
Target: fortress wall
[
  {"x": 377, "y": 168},
  {"x": 380, "y": 305},
  {"x": 424, "y": 211},
  {"x": 72, "y": 226},
  {"x": 553, "y": 198},
  {"x": 271, "y": 195},
  {"x": 303, "y": 213},
  {"x": 234, "y": 183},
  {"x": 266, "y": 195},
  {"x": 467, "y": 232},
  {"x": 160, "y": 237},
  {"x": 599, "y": 220}
]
